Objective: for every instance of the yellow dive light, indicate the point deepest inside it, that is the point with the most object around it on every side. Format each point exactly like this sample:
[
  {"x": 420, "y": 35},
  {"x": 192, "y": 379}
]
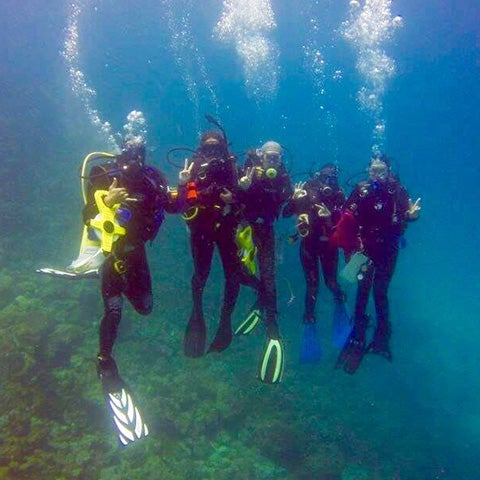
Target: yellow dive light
[{"x": 247, "y": 249}]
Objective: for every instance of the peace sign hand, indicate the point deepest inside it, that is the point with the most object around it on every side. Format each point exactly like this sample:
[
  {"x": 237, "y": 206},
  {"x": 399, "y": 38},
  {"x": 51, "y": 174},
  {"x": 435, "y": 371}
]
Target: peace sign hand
[
  {"x": 246, "y": 180},
  {"x": 184, "y": 175},
  {"x": 414, "y": 209}
]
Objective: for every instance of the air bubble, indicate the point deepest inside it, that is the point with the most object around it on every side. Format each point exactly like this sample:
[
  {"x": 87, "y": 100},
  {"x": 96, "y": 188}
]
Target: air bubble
[{"x": 247, "y": 25}]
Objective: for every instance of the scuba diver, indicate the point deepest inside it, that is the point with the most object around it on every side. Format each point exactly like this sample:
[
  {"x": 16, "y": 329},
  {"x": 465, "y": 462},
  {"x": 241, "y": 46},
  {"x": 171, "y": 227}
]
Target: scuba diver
[
  {"x": 265, "y": 187},
  {"x": 373, "y": 221},
  {"x": 317, "y": 203},
  {"x": 210, "y": 184},
  {"x": 125, "y": 202}
]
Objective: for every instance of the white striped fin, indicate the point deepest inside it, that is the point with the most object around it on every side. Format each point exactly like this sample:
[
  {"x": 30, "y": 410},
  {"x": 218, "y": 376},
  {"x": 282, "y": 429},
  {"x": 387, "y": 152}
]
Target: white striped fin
[
  {"x": 138, "y": 424},
  {"x": 117, "y": 412},
  {"x": 123, "y": 429},
  {"x": 127, "y": 417},
  {"x": 131, "y": 410}
]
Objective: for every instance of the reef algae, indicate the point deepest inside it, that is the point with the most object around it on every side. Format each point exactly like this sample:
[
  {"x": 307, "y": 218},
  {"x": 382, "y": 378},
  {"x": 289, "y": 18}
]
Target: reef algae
[{"x": 209, "y": 418}]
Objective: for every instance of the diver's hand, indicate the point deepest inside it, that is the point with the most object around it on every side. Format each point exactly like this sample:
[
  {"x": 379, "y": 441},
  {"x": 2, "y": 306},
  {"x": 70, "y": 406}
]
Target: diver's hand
[
  {"x": 258, "y": 172},
  {"x": 414, "y": 209},
  {"x": 185, "y": 174},
  {"x": 303, "y": 219},
  {"x": 303, "y": 225},
  {"x": 246, "y": 180},
  {"x": 226, "y": 196},
  {"x": 116, "y": 195},
  {"x": 299, "y": 190},
  {"x": 322, "y": 210}
]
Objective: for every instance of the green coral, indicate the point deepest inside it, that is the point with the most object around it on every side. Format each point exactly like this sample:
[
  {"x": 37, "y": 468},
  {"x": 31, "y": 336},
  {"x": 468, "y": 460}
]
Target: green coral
[{"x": 209, "y": 418}]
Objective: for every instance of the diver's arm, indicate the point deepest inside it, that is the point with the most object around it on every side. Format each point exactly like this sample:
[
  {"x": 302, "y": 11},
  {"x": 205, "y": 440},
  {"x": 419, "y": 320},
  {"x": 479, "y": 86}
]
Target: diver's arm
[{"x": 289, "y": 209}]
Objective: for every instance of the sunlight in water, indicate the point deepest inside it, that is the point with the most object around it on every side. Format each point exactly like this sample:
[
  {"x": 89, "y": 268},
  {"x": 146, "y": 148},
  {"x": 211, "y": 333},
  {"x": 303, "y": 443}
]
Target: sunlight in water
[{"x": 247, "y": 24}]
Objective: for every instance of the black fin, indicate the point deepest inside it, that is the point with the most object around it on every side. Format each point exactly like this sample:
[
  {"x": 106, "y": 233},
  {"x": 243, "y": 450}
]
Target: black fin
[
  {"x": 223, "y": 337},
  {"x": 195, "y": 337}
]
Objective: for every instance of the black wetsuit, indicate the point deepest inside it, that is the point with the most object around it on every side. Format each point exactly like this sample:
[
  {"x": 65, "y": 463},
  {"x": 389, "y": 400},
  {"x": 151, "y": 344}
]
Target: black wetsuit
[
  {"x": 315, "y": 244},
  {"x": 213, "y": 222},
  {"x": 126, "y": 271},
  {"x": 263, "y": 202},
  {"x": 382, "y": 214}
]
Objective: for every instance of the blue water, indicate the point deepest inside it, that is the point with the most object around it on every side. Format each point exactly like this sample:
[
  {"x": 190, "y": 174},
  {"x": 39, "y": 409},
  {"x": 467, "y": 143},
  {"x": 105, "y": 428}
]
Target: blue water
[{"x": 417, "y": 418}]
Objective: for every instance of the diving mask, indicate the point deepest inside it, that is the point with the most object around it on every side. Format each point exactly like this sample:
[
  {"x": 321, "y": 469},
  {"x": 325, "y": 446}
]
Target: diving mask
[
  {"x": 327, "y": 191},
  {"x": 132, "y": 158},
  {"x": 328, "y": 178},
  {"x": 271, "y": 162},
  {"x": 378, "y": 170}
]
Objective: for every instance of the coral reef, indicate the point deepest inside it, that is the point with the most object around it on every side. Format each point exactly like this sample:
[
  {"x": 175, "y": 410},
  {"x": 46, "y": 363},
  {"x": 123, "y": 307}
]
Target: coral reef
[{"x": 209, "y": 418}]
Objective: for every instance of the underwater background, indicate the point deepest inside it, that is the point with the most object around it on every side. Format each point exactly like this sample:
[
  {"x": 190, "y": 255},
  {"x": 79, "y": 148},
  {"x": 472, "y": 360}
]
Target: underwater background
[{"x": 332, "y": 80}]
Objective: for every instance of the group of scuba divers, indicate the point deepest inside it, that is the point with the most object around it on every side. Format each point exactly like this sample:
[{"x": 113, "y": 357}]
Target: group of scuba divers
[{"x": 235, "y": 208}]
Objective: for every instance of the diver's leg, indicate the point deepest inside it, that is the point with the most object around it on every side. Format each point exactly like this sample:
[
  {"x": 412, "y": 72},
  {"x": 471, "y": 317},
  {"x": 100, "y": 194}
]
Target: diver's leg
[
  {"x": 383, "y": 276},
  {"x": 309, "y": 262},
  {"x": 310, "y": 350},
  {"x": 138, "y": 281},
  {"x": 354, "y": 349},
  {"x": 329, "y": 261},
  {"x": 111, "y": 287},
  {"x": 342, "y": 322},
  {"x": 202, "y": 245},
  {"x": 225, "y": 238},
  {"x": 264, "y": 237},
  {"x": 272, "y": 360},
  {"x": 360, "y": 321}
]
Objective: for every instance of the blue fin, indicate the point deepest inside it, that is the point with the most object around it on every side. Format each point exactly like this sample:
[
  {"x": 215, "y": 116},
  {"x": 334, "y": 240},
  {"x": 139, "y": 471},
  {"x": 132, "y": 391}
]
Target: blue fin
[
  {"x": 342, "y": 325},
  {"x": 311, "y": 351}
]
